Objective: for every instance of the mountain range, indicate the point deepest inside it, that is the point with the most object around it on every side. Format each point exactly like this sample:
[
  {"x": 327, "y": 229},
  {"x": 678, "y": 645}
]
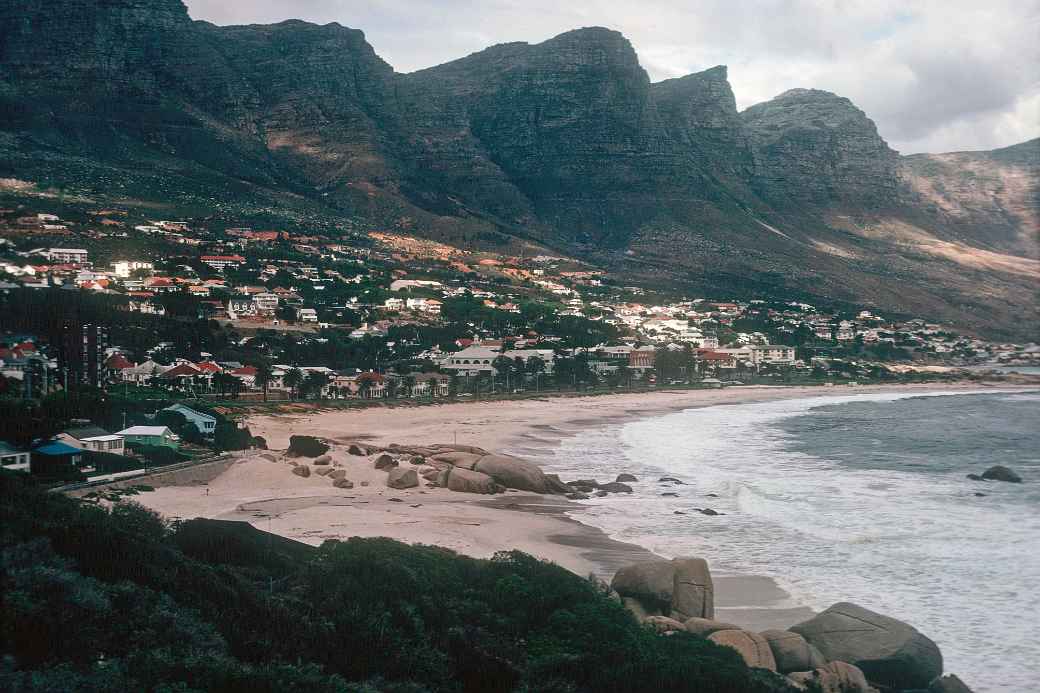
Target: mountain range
[{"x": 565, "y": 146}]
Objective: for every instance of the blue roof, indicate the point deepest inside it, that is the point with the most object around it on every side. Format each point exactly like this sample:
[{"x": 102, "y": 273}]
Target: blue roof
[{"x": 56, "y": 448}]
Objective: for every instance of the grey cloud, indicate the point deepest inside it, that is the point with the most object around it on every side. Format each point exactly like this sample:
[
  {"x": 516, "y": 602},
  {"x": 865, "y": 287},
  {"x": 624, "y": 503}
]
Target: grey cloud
[{"x": 936, "y": 75}]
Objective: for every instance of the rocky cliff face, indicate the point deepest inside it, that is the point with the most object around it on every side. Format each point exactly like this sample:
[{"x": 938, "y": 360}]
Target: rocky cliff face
[
  {"x": 813, "y": 146},
  {"x": 566, "y": 143}
]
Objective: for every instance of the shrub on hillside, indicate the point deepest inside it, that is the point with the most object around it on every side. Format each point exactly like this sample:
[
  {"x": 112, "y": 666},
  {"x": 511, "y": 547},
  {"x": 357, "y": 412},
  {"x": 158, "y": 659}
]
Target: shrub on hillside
[{"x": 96, "y": 598}]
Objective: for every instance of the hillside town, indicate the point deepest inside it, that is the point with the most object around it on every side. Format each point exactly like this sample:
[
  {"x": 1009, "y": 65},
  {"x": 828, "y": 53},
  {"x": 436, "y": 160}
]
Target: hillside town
[{"x": 172, "y": 311}]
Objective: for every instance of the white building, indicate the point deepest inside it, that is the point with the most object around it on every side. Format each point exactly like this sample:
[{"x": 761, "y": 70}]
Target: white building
[
  {"x": 205, "y": 423},
  {"x": 775, "y": 354},
  {"x": 472, "y": 361},
  {"x": 12, "y": 459},
  {"x": 265, "y": 302},
  {"x": 307, "y": 315},
  {"x": 68, "y": 255},
  {"x": 124, "y": 268}
]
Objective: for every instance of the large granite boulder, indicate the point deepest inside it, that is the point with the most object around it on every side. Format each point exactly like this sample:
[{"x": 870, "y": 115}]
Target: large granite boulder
[
  {"x": 950, "y": 683},
  {"x": 615, "y": 487},
  {"x": 468, "y": 481},
  {"x": 307, "y": 446},
  {"x": 650, "y": 582},
  {"x": 466, "y": 460},
  {"x": 706, "y": 626},
  {"x": 324, "y": 459},
  {"x": 402, "y": 478},
  {"x": 322, "y": 471},
  {"x": 302, "y": 470},
  {"x": 338, "y": 474},
  {"x": 384, "y": 461},
  {"x": 693, "y": 593},
  {"x": 1001, "y": 473},
  {"x": 343, "y": 483},
  {"x": 889, "y": 652},
  {"x": 513, "y": 472},
  {"x": 663, "y": 624},
  {"x": 792, "y": 652},
  {"x": 834, "y": 677},
  {"x": 752, "y": 647}
]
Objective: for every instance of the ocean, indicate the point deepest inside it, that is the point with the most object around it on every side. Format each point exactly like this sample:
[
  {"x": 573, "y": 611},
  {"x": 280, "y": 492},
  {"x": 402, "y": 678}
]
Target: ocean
[{"x": 858, "y": 498}]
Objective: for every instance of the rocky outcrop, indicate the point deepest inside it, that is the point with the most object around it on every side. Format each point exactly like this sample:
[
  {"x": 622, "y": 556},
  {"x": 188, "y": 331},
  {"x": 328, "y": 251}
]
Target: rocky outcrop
[
  {"x": 792, "y": 652},
  {"x": 513, "y": 472},
  {"x": 649, "y": 582},
  {"x": 1001, "y": 473},
  {"x": 385, "y": 462},
  {"x": 469, "y": 481},
  {"x": 400, "y": 478},
  {"x": 706, "y": 626},
  {"x": 950, "y": 683},
  {"x": 814, "y": 146},
  {"x": 693, "y": 592},
  {"x": 752, "y": 647},
  {"x": 889, "y": 652},
  {"x": 681, "y": 588},
  {"x": 834, "y": 677}
]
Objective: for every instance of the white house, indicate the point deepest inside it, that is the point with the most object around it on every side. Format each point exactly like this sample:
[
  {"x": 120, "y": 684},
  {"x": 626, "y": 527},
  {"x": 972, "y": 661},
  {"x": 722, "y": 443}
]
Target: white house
[
  {"x": 13, "y": 459},
  {"x": 71, "y": 255},
  {"x": 92, "y": 438},
  {"x": 775, "y": 354},
  {"x": 205, "y": 423},
  {"x": 471, "y": 361}
]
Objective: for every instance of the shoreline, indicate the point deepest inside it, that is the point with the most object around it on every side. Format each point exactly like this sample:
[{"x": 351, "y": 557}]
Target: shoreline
[{"x": 309, "y": 510}]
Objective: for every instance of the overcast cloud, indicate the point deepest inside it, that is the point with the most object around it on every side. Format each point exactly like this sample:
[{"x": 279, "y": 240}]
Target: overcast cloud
[{"x": 935, "y": 75}]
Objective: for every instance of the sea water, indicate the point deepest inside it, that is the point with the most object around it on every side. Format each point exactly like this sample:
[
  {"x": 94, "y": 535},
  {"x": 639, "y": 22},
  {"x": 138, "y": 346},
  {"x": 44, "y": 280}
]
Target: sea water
[{"x": 860, "y": 498}]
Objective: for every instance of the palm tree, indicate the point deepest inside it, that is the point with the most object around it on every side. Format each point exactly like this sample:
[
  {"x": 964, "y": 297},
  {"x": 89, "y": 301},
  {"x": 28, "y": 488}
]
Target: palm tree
[
  {"x": 263, "y": 376},
  {"x": 294, "y": 378}
]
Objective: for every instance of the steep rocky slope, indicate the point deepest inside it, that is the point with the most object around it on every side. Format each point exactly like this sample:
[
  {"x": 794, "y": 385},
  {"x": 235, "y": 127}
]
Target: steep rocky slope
[{"x": 565, "y": 144}]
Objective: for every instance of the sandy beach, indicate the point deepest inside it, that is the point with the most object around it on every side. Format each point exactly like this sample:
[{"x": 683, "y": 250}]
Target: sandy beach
[{"x": 268, "y": 495}]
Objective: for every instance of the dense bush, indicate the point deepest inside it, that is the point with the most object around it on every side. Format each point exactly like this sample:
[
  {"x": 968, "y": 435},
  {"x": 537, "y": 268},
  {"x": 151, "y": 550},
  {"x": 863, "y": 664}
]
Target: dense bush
[
  {"x": 115, "y": 599},
  {"x": 157, "y": 455},
  {"x": 307, "y": 446}
]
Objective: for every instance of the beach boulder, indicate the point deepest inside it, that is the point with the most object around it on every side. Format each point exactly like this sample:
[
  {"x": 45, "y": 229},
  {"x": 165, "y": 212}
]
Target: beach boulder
[
  {"x": 430, "y": 473},
  {"x": 343, "y": 483},
  {"x": 1001, "y": 473},
  {"x": 468, "y": 481},
  {"x": 455, "y": 447},
  {"x": 706, "y": 626},
  {"x": 402, "y": 478},
  {"x": 792, "y": 652},
  {"x": 615, "y": 487},
  {"x": 752, "y": 647},
  {"x": 356, "y": 449},
  {"x": 663, "y": 624},
  {"x": 269, "y": 456},
  {"x": 948, "y": 684},
  {"x": 466, "y": 460},
  {"x": 338, "y": 474},
  {"x": 322, "y": 471},
  {"x": 384, "y": 461},
  {"x": 554, "y": 485},
  {"x": 650, "y": 582},
  {"x": 889, "y": 652},
  {"x": 693, "y": 593},
  {"x": 834, "y": 677},
  {"x": 307, "y": 446},
  {"x": 324, "y": 459},
  {"x": 624, "y": 478},
  {"x": 513, "y": 472},
  {"x": 302, "y": 470}
]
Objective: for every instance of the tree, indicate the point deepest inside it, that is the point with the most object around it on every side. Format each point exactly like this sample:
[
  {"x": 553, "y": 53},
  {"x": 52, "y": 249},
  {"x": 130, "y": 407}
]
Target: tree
[
  {"x": 293, "y": 379},
  {"x": 225, "y": 382},
  {"x": 263, "y": 376},
  {"x": 314, "y": 382}
]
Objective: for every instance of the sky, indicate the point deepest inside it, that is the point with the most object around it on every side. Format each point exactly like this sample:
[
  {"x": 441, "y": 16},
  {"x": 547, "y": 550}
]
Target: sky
[{"x": 935, "y": 75}]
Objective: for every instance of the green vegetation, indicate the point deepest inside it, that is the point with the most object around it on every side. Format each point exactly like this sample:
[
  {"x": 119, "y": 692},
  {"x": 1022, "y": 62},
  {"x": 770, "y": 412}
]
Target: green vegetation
[{"x": 114, "y": 599}]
